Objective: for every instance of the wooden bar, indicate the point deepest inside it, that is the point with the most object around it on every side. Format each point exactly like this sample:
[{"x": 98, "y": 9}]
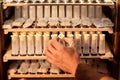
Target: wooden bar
[
  {"x": 8, "y": 56},
  {"x": 24, "y": 4},
  {"x": 40, "y": 76},
  {"x": 2, "y": 76},
  {"x": 109, "y": 29}
]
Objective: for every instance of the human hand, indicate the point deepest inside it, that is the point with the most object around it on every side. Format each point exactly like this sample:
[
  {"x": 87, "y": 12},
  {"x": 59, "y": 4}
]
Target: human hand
[
  {"x": 66, "y": 58},
  {"x": 107, "y": 78}
]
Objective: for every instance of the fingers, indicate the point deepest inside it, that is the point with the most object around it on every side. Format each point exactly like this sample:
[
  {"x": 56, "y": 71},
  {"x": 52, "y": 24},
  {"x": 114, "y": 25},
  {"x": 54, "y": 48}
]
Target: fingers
[
  {"x": 68, "y": 41},
  {"x": 50, "y": 57},
  {"x": 51, "y": 48},
  {"x": 56, "y": 44},
  {"x": 55, "y": 61},
  {"x": 52, "y": 51}
]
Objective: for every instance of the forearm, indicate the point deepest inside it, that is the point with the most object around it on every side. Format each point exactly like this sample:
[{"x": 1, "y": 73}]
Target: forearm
[{"x": 85, "y": 72}]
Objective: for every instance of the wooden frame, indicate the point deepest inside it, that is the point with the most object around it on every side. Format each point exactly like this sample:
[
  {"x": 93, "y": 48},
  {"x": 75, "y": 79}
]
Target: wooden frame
[
  {"x": 109, "y": 29},
  {"x": 40, "y": 76},
  {"x": 1, "y": 43},
  {"x": 8, "y": 56},
  {"x": 5, "y": 5}
]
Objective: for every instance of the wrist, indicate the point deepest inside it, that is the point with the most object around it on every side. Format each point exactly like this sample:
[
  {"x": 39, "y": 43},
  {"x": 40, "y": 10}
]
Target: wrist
[
  {"x": 74, "y": 69},
  {"x": 75, "y": 66},
  {"x": 85, "y": 72},
  {"x": 106, "y": 78}
]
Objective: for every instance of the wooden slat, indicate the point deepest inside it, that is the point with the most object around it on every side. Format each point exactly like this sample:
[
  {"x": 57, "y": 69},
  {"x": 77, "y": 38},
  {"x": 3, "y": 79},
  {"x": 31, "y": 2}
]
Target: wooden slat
[
  {"x": 2, "y": 40},
  {"x": 109, "y": 29},
  {"x": 40, "y": 76},
  {"x": 23, "y": 4},
  {"x": 8, "y": 56}
]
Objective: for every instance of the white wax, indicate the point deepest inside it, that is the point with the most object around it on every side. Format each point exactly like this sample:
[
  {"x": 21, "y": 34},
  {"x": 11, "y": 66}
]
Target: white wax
[
  {"x": 49, "y": 1},
  {"x": 73, "y": 1},
  {"x": 33, "y": 67},
  {"x": 23, "y": 44},
  {"x": 41, "y": 1},
  {"x": 57, "y": 1},
  {"x": 13, "y": 67},
  {"x": 86, "y": 43},
  {"x": 47, "y": 11},
  {"x": 54, "y": 11},
  {"x": 94, "y": 43},
  {"x": 38, "y": 43},
  {"x": 69, "y": 11},
  {"x": 62, "y": 35},
  {"x": 7, "y": 0},
  {"x": 17, "y": 12},
  {"x": 91, "y": 13},
  {"x": 34, "y": 1},
  {"x": 26, "y": 1},
  {"x": 30, "y": 44},
  {"x": 39, "y": 12},
  {"x": 46, "y": 38},
  {"x": 7, "y": 24},
  {"x": 19, "y": 0},
  {"x": 101, "y": 44},
  {"x": 24, "y": 67},
  {"x": 15, "y": 44},
  {"x": 76, "y": 11},
  {"x": 84, "y": 12},
  {"x": 82, "y": 1},
  {"x": 54, "y": 35},
  {"x": 70, "y": 37},
  {"x": 32, "y": 12},
  {"x": 65, "y": 1},
  {"x": 78, "y": 42},
  {"x": 25, "y": 12},
  {"x": 98, "y": 11},
  {"x": 61, "y": 11},
  {"x": 98, "y": 1}
]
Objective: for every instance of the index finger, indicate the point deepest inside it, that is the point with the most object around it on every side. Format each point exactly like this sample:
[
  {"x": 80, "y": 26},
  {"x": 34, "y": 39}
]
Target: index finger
[{"x": 56, "y": 44}]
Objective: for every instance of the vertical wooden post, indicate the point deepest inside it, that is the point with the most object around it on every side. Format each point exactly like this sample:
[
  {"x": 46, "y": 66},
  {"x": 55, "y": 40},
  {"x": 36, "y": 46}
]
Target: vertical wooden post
[
  {"x": 118, "y": 49},
  {"x": 116, "y": 45},
  {"x": 1, "y": 44}
]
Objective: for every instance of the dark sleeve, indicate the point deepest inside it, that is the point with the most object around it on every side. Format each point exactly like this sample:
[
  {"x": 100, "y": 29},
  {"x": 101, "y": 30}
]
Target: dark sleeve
[{"x": 85, "y": 72}]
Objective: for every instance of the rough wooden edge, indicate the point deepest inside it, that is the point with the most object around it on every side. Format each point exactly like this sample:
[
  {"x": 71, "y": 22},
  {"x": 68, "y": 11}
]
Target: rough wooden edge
[{"x": 109, "y": 29}]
